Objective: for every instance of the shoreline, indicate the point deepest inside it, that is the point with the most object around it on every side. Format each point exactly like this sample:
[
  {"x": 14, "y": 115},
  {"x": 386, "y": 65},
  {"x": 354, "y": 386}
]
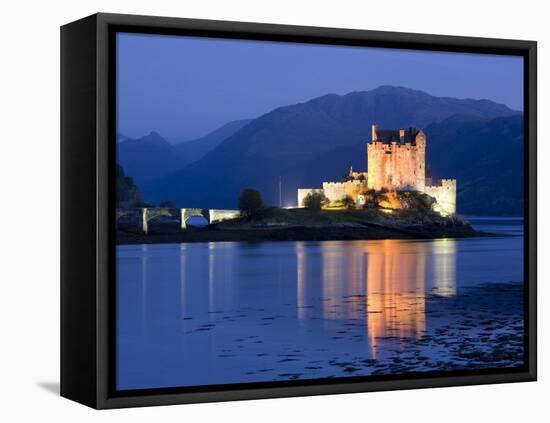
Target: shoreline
[{"x": 213, "y": 233}]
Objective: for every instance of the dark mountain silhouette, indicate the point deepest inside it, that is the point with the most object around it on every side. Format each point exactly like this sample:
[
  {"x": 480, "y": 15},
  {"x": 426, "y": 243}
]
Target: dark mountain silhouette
[
  {"x": 486, "y": 157},
  {"x": 152, "y": 157},
  {"x": 191, "y": 151},
  {"x": 148, "y": 158},
  {"x": 306, "y": 144},
  {"x": 121, "y": 137}
]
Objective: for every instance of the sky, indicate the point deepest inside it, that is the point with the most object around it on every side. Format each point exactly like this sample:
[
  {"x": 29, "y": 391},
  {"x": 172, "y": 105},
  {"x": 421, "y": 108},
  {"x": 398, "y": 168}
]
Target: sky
[{"x": 185, "y": 87}]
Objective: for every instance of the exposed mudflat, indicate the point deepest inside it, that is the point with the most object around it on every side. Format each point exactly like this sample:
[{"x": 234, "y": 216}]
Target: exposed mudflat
[{"x": 480, "y": 328}]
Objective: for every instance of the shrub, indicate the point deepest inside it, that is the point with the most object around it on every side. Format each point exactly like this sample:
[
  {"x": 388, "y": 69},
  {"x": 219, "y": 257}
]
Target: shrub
[
  {"x": 250, "y": 203},
  {"x": 344, "y": 203},
  {"x": 315, "y": 200},
  {"x": 369, "y": 194},
  {"x": 423, "y": 200},
  {"x": 166, "y": 204},
  {"x": 408, "y": 200},
  {"x": 348, "y": 202}
]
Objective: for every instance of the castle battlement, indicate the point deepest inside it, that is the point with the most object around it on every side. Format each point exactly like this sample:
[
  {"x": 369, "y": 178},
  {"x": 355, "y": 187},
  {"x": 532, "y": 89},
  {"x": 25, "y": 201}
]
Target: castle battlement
[
  {"x": 338, "y": 184},
  {"x": 446, "y": 183},
  {"x": 377, "y": 144}
]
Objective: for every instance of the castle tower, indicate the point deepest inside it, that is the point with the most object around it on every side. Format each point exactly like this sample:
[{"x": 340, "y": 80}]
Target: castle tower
[
  {"x": 396, "y": 160},
  {"x": 420, "y": 161}
]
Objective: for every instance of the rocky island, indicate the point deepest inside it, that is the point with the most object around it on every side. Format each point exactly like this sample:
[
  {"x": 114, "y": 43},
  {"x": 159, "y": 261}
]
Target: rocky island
[{"x": 303, "y": 224}]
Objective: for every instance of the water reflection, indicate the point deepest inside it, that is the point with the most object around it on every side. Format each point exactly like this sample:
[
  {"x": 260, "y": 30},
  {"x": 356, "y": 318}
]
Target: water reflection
[
  {"x": 202, "y": 313},
  {"x": 183, "y": 258},
  {"x": 342, "y": 276},
  {"x": 386, "y": 281},
  {"x": 301, "y": 280},
  {"x": 382, "y": 283},
  {"x": 444, "y": 267},
  {"x": 396, "y": 280},
  {"x": 144, "y": 261}
]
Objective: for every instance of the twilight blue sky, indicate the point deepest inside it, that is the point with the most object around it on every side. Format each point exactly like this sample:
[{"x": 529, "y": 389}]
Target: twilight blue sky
[{"x": 185, "y": 87}]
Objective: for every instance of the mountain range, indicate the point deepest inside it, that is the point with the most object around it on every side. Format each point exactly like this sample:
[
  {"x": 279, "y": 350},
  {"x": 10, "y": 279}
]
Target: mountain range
[
  {"x": 478, "y": 142},
  {"x": 191, "y": 151},
  {"x": 152, "y": 156}
]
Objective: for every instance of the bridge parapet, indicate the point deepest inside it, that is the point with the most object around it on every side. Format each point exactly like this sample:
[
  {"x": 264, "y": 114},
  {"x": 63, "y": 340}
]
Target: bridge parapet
[
  {"x": 145, "y": 214},
  {"x": 221, "y": 215}
]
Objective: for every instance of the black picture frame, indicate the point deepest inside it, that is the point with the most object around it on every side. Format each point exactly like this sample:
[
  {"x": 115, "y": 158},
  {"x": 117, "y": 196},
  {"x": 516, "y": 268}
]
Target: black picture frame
[{"x": 87, "y": 211}]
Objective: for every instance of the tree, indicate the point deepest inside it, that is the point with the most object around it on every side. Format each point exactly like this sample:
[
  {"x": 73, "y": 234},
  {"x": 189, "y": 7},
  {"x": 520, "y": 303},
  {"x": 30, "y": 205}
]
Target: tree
[
  {"x": 348, "y": 202},
  {"x": 166, "y": 204},
  {"x": 127, "y": 193},
  {"x": 250, "y": 202},
  {"x": 369, "y": 194},
  {"x": 315, "y": 200}
]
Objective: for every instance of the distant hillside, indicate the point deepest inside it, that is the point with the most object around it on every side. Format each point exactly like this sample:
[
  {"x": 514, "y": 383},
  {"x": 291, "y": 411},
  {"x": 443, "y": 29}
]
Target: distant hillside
[
  {"x": 191, "y": 151},
  {"x": 148, "y": 158},
  {"x": 307, "y": 143},
  {"x": 153, "y": 157},
  {"x": 121, "y": 137},
  {"x": 486, "y": 158}
]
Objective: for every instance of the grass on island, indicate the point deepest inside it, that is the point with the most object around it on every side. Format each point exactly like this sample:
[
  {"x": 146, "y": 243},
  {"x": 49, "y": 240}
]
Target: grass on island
[{"x": 330, "y": 216}]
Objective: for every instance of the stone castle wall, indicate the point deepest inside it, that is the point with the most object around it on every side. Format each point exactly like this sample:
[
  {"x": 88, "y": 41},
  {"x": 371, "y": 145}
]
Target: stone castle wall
[
  {"x": 397, "y": 166},
  {"x": 335, "y": 191},
  {"x": 445, "y": 195}
]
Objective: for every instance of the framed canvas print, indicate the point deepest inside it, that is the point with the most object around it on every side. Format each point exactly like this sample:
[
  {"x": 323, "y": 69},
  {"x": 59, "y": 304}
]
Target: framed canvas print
[{"x": 255, "y": 211}]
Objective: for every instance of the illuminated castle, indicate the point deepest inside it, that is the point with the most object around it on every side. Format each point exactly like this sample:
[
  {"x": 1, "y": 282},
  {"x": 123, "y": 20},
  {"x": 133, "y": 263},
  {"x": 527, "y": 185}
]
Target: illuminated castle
[{"x": 396, "y": 161}]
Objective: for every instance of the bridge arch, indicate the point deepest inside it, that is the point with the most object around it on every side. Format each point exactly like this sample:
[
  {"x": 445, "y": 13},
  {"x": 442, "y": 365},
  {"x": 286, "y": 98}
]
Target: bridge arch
[
  {"x": 149, "y": 213},
  {"x": 121, "y": 212},
  {"x": 187, "y": 213}
]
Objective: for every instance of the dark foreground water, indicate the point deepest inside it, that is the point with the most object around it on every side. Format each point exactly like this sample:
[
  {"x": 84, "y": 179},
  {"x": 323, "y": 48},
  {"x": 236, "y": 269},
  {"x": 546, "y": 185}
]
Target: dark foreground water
[{"x": 219, "y": 313}]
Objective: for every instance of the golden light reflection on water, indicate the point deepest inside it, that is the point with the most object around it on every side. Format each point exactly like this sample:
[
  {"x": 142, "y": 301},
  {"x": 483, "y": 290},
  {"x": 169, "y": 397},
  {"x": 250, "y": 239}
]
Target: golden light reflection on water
[
  {"x": 383, "y": 283},
  {"x": 396, "y": 282}
]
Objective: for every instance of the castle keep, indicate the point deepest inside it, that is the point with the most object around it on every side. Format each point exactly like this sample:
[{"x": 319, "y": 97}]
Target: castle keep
[{"x": 396, "y": 161}]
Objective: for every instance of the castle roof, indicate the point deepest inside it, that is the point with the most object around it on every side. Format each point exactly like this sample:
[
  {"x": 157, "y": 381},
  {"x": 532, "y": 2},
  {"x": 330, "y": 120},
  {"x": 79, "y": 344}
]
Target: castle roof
[{"x": 392, "y": 135}]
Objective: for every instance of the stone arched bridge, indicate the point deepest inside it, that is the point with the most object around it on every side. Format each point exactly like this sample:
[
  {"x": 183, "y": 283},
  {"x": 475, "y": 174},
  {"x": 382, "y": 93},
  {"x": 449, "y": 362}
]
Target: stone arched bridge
[{"x": 147, "y": 213}]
